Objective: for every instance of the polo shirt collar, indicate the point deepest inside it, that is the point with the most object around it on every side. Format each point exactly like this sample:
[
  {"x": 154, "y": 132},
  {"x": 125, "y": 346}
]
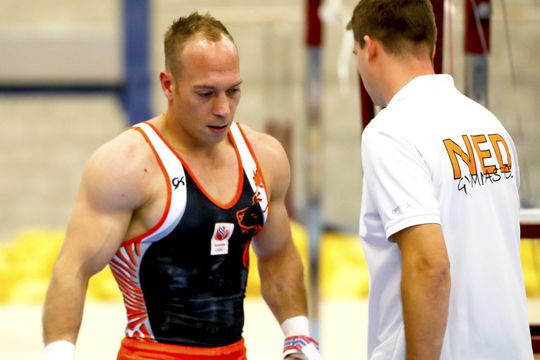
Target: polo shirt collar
[{"x": 424, "y": 84}]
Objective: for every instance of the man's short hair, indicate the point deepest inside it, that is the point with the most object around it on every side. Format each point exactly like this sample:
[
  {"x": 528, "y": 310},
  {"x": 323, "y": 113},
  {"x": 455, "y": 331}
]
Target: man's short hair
[
  {"x": 397, "y": 24},
  {"x": 183, "y": 29}
]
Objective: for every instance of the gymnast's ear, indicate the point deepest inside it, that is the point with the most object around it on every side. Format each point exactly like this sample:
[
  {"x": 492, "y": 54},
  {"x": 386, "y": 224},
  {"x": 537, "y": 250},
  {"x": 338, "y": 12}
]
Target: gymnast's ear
[{"x": 168, "y": 84}]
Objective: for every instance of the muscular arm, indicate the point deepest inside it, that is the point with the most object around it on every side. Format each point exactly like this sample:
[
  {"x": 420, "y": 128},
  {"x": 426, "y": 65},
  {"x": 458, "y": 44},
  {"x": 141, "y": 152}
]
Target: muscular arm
[
  {"x": 280, "y": 267},
  {"x": 425, "y": 289},
  {"x": 97, "y": 227}
]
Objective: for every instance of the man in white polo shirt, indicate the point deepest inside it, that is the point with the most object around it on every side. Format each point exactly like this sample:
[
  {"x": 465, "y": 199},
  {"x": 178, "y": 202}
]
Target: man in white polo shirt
[{"x": 440, "y": 204}]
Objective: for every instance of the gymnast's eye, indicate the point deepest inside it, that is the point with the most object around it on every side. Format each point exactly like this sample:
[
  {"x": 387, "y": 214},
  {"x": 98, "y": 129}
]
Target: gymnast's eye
[
  {"x": 205, "y": 94},
  {"x": 233, "y": 91}
]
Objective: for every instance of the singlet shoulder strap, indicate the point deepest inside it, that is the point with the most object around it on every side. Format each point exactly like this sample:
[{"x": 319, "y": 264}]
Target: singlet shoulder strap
[
  {"x": 176, "y": 183},
  {"x": 251, "y": 167}
]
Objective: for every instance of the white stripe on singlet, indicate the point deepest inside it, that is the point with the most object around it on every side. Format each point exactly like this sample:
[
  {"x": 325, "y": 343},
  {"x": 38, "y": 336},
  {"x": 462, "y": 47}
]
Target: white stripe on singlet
[
  {"x": 250, "y": 168},
  {"x": 176, "y": 176}
]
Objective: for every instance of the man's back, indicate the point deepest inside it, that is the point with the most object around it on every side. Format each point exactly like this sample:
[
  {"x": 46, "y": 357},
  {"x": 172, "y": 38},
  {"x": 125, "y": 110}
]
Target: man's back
[{"x": 458, "y": 167}]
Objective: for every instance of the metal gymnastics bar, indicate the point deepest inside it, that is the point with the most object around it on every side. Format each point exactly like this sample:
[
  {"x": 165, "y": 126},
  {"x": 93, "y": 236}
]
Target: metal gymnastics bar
[{"x": 314, "y": 154}]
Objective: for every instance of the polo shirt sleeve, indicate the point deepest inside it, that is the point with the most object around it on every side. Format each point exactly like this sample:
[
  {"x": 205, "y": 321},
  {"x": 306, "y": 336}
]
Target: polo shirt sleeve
[{"x": 398, "y": 180}]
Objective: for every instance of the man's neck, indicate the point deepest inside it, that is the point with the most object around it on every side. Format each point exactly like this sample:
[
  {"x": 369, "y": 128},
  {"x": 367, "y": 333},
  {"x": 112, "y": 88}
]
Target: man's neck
[{"x": 400, "y": 73}]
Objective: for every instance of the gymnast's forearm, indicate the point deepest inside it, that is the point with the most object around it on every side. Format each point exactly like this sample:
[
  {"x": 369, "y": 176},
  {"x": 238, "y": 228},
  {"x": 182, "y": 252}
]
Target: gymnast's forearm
[{"x": 63, "y": 309}]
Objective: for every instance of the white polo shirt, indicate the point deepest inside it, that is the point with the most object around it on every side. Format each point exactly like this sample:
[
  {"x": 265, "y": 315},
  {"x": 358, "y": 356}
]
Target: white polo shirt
[{"x": 435, "y": 156}]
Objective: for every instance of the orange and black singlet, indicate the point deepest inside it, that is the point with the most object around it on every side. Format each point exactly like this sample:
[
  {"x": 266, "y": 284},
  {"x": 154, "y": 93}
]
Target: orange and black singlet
[{"x": 184, "y": 281}]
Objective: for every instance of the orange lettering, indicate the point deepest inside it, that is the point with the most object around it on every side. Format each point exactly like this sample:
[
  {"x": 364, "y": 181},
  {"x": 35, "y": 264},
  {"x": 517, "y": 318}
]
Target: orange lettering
[
  {"x": 495, "y": 139},
  {"x": 483, "y": 154},
  {"x": 467, "y": 157}
]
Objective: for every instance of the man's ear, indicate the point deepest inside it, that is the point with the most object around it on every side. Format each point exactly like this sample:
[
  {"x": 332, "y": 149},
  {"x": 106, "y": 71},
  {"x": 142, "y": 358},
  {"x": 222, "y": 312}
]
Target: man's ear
[
  {"x": 168, "y": 84},
  {"x": 372, "y": 47}
]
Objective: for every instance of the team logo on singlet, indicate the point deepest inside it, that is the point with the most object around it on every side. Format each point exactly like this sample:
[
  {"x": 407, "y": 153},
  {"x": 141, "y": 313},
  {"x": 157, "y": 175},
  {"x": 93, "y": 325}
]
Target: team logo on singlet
[{"x": 220, "y": 239}]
